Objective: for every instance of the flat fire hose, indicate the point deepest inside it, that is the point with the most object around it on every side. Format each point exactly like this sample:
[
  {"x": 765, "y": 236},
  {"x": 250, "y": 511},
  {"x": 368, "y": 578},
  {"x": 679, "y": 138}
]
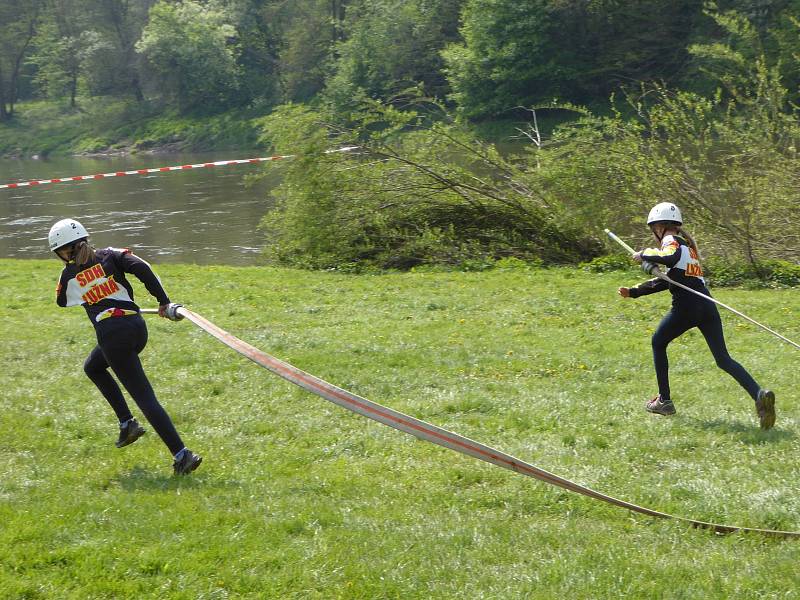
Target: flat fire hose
[{"x": 428, "y": 432}]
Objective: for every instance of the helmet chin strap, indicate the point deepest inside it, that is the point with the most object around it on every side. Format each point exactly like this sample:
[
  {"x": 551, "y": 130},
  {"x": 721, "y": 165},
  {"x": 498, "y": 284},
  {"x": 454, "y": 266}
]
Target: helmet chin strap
[
  {"x": 70, "y": 248},
  {"x": 654, "y": 229},
  {"x": 663, "y": 228}
]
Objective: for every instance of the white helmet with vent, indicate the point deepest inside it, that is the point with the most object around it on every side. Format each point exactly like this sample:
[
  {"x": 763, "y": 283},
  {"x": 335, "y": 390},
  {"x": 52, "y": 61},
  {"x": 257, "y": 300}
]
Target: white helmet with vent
[
  {"x": 65, "y": 232},
  {"x": 664, "y": 211}
]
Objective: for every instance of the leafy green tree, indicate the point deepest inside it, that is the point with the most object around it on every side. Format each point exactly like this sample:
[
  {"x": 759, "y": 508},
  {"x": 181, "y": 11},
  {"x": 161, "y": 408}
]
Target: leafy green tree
[
  {"x": 63, "y": 47},
  {"x": 308, "y": 31},
  {"x": 775, "y": 30},
  {"x": 257, "y": 46},
  {"x": 530, "y": 52},
  {"x": 116, "y": 70},
  {"x": 190, "y": 47},
  {"x": 393, "y": 45}
]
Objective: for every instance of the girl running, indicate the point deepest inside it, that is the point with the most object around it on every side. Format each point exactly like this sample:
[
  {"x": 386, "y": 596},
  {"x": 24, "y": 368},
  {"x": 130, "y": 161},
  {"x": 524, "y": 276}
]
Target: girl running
[
  {"x": 678, "y": 252},
  {"x": 95, "y": 279}
]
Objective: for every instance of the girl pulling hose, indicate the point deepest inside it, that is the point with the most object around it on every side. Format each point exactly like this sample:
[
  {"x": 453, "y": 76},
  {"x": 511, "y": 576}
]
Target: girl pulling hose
[
  {"x": 95, "y": 279},
  {"x": 678, "y": 252}
]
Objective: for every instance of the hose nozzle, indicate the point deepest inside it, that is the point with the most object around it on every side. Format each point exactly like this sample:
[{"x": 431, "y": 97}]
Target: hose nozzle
[
  {"x": 172, "y": 312},
  {"x": 649, "y": 267}
]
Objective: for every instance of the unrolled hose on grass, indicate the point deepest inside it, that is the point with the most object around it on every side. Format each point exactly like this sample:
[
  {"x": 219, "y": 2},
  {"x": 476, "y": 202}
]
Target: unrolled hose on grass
[{"x": 426, "y": 431}]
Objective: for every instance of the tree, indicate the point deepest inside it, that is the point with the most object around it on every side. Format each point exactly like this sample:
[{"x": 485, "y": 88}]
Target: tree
[
  {"x": 392, "y": 45},
  {"x": 61, "y": 51},
  {"x": 526, "y": 53},
  {"x": 190, "y": 47},
  {"x": 257, "y": 51},
  {"x": 307, "y": 31},
  {"x": 18, "y": 21},
  {"x": 117, "y": 71}
]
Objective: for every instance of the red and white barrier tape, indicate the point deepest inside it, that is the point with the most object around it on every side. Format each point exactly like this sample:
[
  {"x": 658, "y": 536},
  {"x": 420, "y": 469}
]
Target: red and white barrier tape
[
  {"x": 431, "y": 433},
  {"x": 218, "y": 163}
]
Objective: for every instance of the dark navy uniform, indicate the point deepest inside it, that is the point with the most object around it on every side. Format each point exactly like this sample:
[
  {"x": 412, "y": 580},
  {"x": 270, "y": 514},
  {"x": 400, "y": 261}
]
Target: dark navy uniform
[
  {"x": 102, "y": 288},
  {"x": 688, "y": 310}
]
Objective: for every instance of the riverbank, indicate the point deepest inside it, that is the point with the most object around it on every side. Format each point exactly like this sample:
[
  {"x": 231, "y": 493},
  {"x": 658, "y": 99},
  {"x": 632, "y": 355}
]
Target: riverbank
[
  {"x": 297, "y": 497},
  {"x": 116, "y": 127},
  {"x": 103, "y": 127}
]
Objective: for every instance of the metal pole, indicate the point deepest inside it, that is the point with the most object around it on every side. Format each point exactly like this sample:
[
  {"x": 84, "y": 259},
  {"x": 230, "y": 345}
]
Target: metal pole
[{"x": 654, "y": 270}]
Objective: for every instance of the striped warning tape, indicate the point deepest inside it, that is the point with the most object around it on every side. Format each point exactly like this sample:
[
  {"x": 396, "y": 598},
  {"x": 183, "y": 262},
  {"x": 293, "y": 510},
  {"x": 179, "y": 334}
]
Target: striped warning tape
[
  {"x": 218, "y": 163},
  {"x": 431, "y": 433}
]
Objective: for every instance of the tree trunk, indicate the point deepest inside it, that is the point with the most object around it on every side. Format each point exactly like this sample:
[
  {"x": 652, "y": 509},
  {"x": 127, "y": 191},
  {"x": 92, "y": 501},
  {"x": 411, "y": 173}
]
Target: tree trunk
[
  {"x": 334, "y": 22},
  {"x": 13, "y": 92},
  {"x": 137, "y": 89},
  {"x": 73, "y": 90},
  {"x": 337, "y": 18},
  {"x": 3, "y": 113}
]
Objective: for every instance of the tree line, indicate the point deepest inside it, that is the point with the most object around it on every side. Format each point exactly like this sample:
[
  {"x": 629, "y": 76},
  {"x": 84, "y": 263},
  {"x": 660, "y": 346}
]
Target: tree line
[
  {"x": 483, "y": 58},
  {"x": 423, "y": 188}
]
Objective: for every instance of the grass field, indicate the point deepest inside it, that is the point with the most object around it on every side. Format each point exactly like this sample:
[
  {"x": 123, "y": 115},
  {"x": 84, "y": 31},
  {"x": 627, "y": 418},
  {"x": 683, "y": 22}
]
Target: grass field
[{"x": 298, "y": 498}]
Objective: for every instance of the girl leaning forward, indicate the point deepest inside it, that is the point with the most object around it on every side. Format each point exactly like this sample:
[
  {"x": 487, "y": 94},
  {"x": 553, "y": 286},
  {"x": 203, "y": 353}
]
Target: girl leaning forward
[
  {"x": 678, "y": 252},
  {"x": 96, "y": 280}
]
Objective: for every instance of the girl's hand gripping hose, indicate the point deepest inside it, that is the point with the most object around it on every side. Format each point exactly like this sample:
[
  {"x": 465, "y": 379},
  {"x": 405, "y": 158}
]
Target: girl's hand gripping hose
[
  {"x": 170, "y": 311},
  {"x": 647, "y": 267}
]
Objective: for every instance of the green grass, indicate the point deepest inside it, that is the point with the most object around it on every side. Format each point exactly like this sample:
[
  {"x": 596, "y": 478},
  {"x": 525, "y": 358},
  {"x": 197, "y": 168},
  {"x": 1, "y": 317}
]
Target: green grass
[{"x": 298, "y": 498}]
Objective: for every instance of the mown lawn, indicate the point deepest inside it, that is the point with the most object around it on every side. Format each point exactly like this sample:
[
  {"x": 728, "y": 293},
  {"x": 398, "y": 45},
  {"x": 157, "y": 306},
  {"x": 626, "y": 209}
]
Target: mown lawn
[{"x": 298, "y": 498}]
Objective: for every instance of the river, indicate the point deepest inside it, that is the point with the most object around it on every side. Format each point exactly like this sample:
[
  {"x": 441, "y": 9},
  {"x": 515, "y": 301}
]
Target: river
[{"x": 203, "y": 216}]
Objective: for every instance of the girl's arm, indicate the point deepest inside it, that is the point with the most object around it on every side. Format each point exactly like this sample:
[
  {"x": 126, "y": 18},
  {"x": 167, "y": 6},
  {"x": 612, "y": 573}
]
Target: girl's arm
[
  {"x": 669, "y": 255},
  {"x": 142, "y": 270},
  {"x": 651, "y": 286},
  {"x": 61, "y": 290}
]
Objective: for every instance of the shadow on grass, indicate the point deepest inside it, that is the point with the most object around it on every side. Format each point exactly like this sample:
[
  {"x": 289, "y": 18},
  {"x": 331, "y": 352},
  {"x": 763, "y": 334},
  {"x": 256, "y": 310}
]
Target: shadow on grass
[
  {"x": 748, "y": 433},
  {"x": 140, "y": 478}
]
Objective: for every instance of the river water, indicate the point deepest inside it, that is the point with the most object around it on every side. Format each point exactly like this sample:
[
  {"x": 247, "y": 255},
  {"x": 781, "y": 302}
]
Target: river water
[{"x": 203, "y": 216}]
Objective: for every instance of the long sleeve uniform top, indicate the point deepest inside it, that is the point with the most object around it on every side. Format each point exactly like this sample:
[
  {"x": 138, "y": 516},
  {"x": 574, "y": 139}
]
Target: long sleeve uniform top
[
  {"x": 683, "y": 266},
  {"x": 100, "y": 286}
]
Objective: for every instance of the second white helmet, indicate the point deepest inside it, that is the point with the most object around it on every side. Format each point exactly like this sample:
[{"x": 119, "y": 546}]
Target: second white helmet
[
  {"x": 664, "y": 211},
  {"x": 66, "y": 231}
]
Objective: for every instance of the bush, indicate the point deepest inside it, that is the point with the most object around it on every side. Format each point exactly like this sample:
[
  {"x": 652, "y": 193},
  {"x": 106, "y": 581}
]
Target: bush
[
  {"x": 769, "y": 273},
  {"x": 610, "y": 262},
  {"x": 783, "y": 273},
  {"x": 413, "y": 194}
]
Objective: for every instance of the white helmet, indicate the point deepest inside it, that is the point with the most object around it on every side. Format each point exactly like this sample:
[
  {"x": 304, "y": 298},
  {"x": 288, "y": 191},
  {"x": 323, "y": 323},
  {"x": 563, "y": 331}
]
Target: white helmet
[
  {"x": 66, "y": 231},
  {"x": 664, "y": 211}
]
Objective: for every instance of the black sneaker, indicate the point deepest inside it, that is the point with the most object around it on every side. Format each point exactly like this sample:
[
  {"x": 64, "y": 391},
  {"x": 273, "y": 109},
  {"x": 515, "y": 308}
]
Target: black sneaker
[
  {"x": 765, "y": 407},
  {"x": 129, "y": 433},
  {"x": 187, "y": 462},
  {"x": 660, "y": 407}
]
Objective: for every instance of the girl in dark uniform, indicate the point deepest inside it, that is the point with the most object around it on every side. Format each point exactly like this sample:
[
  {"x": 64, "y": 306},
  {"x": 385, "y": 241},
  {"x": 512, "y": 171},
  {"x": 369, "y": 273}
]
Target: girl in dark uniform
[
  {"x": 96, "y": 280},
  {"x": 678, "y": 252}
]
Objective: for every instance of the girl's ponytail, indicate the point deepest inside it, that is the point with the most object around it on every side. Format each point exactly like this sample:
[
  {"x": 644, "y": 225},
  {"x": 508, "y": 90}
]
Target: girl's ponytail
[
  {"x": 692, "y": 244},
  {"x": 83, "y": 252}
]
